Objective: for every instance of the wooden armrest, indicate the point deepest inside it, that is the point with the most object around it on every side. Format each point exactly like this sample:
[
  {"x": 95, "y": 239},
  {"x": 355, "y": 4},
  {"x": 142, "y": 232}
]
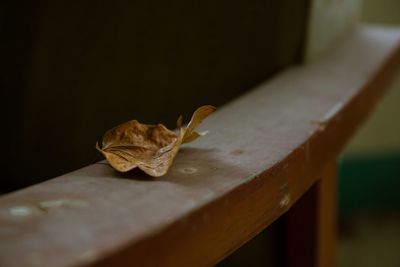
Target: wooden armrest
[{"x": 263, "y": 152}]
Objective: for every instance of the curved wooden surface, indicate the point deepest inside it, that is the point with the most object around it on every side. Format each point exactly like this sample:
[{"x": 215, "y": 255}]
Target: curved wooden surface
[{"x": 263, "y": 152}]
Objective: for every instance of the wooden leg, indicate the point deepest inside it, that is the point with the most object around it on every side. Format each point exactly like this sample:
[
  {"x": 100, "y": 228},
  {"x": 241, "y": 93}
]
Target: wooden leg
[{"x": 311, "y": 224}]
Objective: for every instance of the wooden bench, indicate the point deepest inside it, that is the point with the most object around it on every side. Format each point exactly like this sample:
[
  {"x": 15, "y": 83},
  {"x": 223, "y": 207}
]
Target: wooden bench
[{"x": 269, "y": 152}]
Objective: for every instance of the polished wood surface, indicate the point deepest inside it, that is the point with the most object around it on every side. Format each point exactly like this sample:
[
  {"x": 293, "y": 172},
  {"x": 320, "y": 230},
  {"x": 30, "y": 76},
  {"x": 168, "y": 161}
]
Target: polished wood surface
[{"x": 263, "y": 152}]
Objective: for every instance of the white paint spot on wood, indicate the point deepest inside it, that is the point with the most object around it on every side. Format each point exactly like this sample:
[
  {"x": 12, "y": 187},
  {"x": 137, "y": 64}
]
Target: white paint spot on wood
[
  {"x": 321, "y": 125},
  {"x": 285, "y": 201},
  {"x": 21, "y": 211},
  {"x": 188, "y": 170},
  {"x": 63, "y": 202}
]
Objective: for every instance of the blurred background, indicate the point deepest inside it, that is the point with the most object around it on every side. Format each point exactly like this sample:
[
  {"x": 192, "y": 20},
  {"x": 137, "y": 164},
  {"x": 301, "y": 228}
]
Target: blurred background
[
  {"x": 369, "y": 185},
  {"x": 71, "y": 70}
]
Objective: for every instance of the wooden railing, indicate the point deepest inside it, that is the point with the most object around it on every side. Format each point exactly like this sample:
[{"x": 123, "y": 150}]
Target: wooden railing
[{"x": 270, "y": 152}]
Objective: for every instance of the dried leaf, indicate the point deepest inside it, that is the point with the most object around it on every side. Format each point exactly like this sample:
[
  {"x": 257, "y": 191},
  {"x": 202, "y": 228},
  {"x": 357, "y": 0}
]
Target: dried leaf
[{"x": 152, "y": 148}]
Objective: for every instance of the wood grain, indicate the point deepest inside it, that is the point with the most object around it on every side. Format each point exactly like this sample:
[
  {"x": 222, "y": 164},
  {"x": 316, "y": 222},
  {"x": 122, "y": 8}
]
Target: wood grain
[
  {"x": 263, "y": 152},
  {"x": 311, "y": 224}
]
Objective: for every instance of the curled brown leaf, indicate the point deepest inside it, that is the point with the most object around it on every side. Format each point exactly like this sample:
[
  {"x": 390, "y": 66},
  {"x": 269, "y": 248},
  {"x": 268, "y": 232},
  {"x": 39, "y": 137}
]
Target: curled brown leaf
[{"x": 152, "y": 148}]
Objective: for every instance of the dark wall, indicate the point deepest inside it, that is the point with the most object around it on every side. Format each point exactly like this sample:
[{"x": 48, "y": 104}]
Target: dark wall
[{"x": 73, "y": 69}]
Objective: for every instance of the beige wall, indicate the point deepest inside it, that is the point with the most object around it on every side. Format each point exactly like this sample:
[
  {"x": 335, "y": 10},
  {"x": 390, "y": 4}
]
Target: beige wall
[{"x": 381, "y": 133}]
